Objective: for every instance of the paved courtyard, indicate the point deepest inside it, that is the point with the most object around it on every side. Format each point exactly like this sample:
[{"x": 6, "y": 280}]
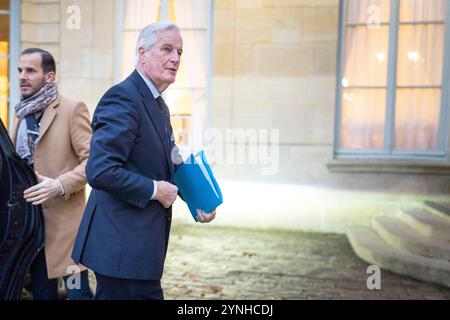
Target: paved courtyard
[{"x": 210, "y": 262}]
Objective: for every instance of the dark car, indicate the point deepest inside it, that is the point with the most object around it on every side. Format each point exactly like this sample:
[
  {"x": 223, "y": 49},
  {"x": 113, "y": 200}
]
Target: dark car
[{"x": 21, "y": 223}]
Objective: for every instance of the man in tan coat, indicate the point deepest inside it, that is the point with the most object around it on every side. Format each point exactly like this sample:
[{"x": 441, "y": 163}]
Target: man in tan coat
[{"x": 52, "y": 134}]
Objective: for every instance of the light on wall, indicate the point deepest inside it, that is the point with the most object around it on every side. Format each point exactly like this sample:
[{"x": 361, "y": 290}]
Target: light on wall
[
  {"x": 345, "y": 82},
  {"x": 381, "y": 57},
  {"x": 414, "y": 56}
]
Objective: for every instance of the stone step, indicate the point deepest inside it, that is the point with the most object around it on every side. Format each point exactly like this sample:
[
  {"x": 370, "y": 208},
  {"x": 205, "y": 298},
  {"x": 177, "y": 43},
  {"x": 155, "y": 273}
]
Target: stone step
[
  {"x": 399, "y": 235},
  {"x": 441, "y": 209},
  {"x": 369, "y": 246},
  {"x": 425, "y": 223}
]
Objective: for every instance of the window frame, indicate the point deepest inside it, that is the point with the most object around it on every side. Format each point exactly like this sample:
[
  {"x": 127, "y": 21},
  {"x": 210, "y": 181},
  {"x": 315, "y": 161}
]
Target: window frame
[
  {"x": 388, "y": 151},
  {"x": 14, "y": 40},
  {"x": 13, "y": 57}
]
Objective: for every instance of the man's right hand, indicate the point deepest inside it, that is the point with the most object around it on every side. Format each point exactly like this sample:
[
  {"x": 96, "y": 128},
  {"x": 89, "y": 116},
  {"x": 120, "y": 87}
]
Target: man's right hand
[{"x": 166, "y": 193}]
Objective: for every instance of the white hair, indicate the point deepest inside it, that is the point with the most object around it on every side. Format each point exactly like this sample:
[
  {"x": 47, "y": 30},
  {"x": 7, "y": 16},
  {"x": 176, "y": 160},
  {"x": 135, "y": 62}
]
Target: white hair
[{"x": 149, "y": 35}]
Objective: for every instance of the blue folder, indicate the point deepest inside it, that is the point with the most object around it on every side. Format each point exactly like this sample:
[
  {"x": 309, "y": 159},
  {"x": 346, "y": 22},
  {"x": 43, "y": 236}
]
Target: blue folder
[{"x": 197, "y": 185}]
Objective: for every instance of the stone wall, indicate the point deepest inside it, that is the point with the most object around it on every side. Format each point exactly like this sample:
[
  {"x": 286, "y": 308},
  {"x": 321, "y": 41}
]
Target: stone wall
[
  {"x": 275, "y": 68},
  {"x": 84, "y": 52}
]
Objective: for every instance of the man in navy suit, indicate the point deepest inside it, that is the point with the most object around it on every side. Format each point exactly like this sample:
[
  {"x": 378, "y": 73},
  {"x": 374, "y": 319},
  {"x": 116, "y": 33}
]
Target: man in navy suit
[{"x": 124, "y": 232}]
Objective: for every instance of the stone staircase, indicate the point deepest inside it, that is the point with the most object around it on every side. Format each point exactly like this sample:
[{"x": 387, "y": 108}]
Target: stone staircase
[{"x": 415, "y": 243}]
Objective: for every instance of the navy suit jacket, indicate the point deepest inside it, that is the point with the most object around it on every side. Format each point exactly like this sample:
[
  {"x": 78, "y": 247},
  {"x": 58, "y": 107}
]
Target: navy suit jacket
[{"x": 124, "y": 234}]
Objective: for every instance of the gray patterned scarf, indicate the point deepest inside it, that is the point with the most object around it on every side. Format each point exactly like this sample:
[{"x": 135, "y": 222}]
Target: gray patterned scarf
[
  {"x": 28, "y": 133},
  {"x": 38, "y": 101}
]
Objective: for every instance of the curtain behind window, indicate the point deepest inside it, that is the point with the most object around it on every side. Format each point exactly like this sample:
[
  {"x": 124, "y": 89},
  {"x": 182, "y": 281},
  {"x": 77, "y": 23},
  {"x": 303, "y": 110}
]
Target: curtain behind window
[
  {"x": 420, "y": 60},
  {"x": 365, "y": 74},
  {"x": 186, "y": 97},
  {"x": 419, "y": 74},
  {"x": 137, "y": 14}
]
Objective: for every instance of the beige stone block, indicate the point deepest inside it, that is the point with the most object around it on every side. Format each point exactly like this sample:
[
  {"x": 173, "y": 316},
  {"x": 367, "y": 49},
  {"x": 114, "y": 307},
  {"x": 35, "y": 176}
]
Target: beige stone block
[
  {"x": 46, "y": 1},
  {"x": 286, "y": 35},
  {"x": 28, "y": 12},
  {"x": 25, "y": 45},
  {"x": 222, "y": 102},
  {"x": 325, "y": 58},
  {"x": 318, "y": 23},
  {"x": 253, "y": 26},
  {"x": 288, "y": 17},
  {"x": 281, "y": 164},
  {"x": 286, "y": 25},
  {"x": 250, "y": 95},
  {"x": 86, "y": 63},
  {"x": 74, "y": 38},
  {"x": 104, "y": 24},
  {"x": 48, "y": 33},
  {"x": 98, "y": 88},
  {"x": 249, "y": 4},
  {"x": 40, "y": 12},
  {"x": 285, "y": 60},
  {"x": 245, "y": 60},
  {"x": 223, "y": 42},
  {"x": 300, "y": 125},
  {"x": 247, "y": 119},
  {"x": 222, "y": 90},
  {"x": 28, "y": 32},
  {"x": 303, "y": 109},
  {"x": 302, "y": 3},
  {"x": 49, "y": 13},
  {"x": 220, "y": 120},
  {"x": 54, "y": 49},
  {"x": 223, "y": 60},
  {"x": 304, "y": 60},
  {"x": 303, "y": 164},
  {"x": 39, "y": 33},
  {"x": 73, "y": 62},
  {"x": 75, "y": 88},
  {"x": 224, "y": 4},
  {"x": 87, "y": 90},
  {"x": 103, "y": 64},
  {"x": 224, "y": 31}
]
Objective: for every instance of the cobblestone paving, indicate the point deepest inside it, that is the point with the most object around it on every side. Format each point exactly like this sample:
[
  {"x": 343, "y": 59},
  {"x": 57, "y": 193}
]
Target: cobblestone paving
[{"x": 210, "y": 262}]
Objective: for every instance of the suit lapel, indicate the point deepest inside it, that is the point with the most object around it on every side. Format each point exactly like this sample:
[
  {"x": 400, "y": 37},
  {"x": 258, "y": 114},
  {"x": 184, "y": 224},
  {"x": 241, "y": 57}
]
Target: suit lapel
[
  {"x": 152, "y": 108},
  {"x": 14, "y": 130},
  {"x": 47, "y": 118}
]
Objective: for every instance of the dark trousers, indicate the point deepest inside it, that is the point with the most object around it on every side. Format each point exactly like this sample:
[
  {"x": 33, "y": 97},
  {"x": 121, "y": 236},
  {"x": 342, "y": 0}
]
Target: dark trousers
[
  {"x": 44, "y": 288},
  {"x": 109, "y": 288}
]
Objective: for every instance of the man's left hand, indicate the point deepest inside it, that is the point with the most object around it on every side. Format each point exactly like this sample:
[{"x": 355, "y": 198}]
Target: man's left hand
[
  {"x": 204, "y": 217},
  {"x": 46, "y": 189}
]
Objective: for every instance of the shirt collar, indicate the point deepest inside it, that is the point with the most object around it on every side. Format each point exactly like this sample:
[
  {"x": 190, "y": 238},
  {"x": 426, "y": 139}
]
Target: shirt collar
[{"x": 150, "y": 85}]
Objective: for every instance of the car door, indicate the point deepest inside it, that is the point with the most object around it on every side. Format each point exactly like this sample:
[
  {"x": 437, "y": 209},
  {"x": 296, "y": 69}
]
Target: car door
[{"x": 21, "y": 223}]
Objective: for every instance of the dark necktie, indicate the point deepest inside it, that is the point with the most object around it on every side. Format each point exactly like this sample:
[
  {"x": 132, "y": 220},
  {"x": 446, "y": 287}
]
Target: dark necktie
[{"x": 166, "y": 117}]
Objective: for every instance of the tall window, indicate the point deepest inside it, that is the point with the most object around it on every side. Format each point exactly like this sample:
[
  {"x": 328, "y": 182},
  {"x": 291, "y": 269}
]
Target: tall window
[
  {"x": 187, "y": 97},
  {"x": 393, "y": 78},
  {"x": 9, "y": 55},
  {"x": 4, "y": 59}
]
